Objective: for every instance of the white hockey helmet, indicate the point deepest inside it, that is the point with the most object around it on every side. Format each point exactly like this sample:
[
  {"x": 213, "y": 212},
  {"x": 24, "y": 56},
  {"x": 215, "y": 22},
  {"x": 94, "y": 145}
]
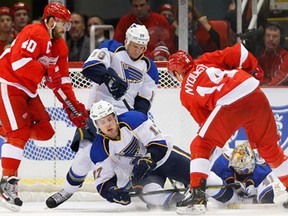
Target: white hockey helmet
[
  {"x": 137, "y": 34},
  {"x": 101, "y": 109},
  {"x": 243, "y": 159}
]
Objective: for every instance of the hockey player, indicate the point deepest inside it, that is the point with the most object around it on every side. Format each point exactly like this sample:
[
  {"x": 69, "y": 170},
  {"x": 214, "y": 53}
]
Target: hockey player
[
  {"x": 38, "y": 51},
  {"x": 241, "y": 165},
  {"x": 130, "y": 149},
  {"x": 222, "y": 96},
  {"x": 115, "y": 70}
]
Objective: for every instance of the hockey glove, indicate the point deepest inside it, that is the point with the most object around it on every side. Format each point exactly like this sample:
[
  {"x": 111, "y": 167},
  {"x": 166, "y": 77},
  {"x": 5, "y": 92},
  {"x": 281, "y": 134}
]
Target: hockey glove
[
  {"x": 143, "y": 166},
  {"x": 53, "y": 78},
  {"x": 258, "y": 73},
  {"x": 118, "y": 195},
  {"x": 250, "y": 191},
  {"x": 80, "y": 118},
  {"x": 116, "y": 86}
]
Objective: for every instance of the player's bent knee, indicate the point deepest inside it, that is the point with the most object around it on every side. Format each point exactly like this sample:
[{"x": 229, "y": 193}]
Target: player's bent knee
[
  {"x": 200, "y": 148},
  {"x": 19, "y": 137},
  {"x": 42, "y": 131},
  {"x": 272, "y": 153}
]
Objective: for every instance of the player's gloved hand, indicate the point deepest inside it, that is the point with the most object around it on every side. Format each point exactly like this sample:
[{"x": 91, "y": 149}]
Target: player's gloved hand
[
  {"x": 258, "y": 73},
  {"x": 53, "y": 77},
  {"x": 80, "y": 118},
  {"x": 116, "y": 86},
  {"x": 250, "y": 191},
  {"x": 143, "y": 166},
  {"x": 118, "y": 195}
]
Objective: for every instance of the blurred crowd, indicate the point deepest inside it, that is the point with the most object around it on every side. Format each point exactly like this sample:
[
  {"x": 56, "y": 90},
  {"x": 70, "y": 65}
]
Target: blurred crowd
[{"x": 266, "y": 43}]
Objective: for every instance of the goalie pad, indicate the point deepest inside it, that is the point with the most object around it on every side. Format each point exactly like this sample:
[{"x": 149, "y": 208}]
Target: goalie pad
[{"x": 87, "y": 133}]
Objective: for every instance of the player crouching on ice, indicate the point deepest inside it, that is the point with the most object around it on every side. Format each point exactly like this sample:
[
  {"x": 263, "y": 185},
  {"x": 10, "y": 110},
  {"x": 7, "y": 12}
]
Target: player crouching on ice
[
  {"x": 256, "y": 181},
  {"x": 221, "y": 92},
  {"x": 130, "y": 151}
]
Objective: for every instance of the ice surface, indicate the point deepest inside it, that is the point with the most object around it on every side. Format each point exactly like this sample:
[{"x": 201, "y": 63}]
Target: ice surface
[{"x": 135, "y": 208}]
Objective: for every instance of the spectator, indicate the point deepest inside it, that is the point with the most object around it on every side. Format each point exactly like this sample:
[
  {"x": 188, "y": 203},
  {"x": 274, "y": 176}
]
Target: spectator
[
  {"x": 160, "y": 53},
  {"x": 168, "y": 11},
  {"x": 21, "y": 16},
  {"x": 99, "y": 33},
  {"x": 6, "y": 26},
  {"x": 273, "y": 58},
  {"x": 157, "y": 25},
  {"x": 78, "y": 43},
  {"x": 202, "y": 37}
]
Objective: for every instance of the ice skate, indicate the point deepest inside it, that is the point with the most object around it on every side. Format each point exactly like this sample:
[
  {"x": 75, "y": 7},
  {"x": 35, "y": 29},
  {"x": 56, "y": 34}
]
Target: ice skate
[
  {"x": 58, "y": 198},
  {"x": 9, "y": 193},
  {"x": 194, "y": 203}
]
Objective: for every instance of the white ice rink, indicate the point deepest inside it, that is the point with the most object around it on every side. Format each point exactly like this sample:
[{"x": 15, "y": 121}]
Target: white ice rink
[{"x": 135, "y": 208}]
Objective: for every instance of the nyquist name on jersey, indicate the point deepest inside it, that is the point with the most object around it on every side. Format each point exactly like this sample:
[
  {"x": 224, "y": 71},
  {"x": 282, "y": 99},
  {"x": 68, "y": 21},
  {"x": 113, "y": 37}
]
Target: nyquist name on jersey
[{"x": 192, "y": 78}]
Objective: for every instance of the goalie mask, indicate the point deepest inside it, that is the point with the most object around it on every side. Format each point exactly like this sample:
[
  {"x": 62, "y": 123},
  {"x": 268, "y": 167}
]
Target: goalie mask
[
  {"x": 137, "y": 34},
  {"x": 243, "y": 159},
  {"x": 100, "y": 110}
]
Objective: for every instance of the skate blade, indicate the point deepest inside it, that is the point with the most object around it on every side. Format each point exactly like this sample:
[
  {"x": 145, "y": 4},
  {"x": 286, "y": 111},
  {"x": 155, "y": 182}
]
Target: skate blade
[
  {"x": 191, "y": 210},
  {"x": 8, "y": 205}
]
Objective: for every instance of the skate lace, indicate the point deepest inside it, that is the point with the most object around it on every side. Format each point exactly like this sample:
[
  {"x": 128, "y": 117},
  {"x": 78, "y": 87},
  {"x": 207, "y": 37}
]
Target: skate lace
[
  {"x": 61, "y": 196},
  {"x": 11, "y": 190}
]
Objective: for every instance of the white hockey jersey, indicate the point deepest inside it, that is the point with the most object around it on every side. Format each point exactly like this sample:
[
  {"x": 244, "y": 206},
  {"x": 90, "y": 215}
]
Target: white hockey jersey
[
  {"x": 113, "y": 157},
  {"x": 141, "y": 74}
]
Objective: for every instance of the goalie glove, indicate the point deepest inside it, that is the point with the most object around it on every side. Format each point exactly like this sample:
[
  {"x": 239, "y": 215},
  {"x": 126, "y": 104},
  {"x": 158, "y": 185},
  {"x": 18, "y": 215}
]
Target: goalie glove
[
  {"x": 143, "y": 166},
  {"x": 53, "y": 77},
  {"x": 118, "y": 195},
  {"x": 80, "y": 118},
  {"x": 116, "y": 86},
  {"x": 250, "y": 191}
]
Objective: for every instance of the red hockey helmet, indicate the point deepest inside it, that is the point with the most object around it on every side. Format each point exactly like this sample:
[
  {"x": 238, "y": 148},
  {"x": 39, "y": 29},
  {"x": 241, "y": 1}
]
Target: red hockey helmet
[
  {"x": 20, "y": 6},
  {"x": 180, "y": 62},
  {"x": 6, "y": 11},
  {"x": 56, "y": 9}
]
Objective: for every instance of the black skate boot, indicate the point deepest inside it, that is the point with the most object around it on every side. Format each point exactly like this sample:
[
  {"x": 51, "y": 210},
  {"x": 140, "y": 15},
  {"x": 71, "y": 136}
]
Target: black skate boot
[
  {"x": 58, "y": 198},
  {"x": 195, "y": 202},
  {"x": 9, "y": 193}
]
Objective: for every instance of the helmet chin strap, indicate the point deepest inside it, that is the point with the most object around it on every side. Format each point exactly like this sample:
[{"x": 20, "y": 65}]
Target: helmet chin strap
[{"x": 50, "y": 28}]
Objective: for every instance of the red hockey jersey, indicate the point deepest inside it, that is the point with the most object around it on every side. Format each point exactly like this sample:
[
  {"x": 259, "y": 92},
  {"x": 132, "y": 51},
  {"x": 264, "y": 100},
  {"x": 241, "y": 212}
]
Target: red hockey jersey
[
  {"x": 218, "y": 78},
  {"x": 24, "y": 64}
]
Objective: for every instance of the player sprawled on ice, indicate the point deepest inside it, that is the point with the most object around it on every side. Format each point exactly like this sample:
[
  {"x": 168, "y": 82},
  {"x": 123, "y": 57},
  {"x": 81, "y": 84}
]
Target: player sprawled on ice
[
  {"x": 257, "y": 182},
  {"x": 115, "y": 70},
  {"x": 38, "y": 51},
  {"x": 129, "y": 152},
  {"x": 222, "y": 96}
]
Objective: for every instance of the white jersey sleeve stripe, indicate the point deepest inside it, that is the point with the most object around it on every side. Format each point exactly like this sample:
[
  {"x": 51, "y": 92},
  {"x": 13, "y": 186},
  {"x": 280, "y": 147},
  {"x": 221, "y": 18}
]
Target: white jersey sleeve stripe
[
  {"x": 20, "y": 63},
  {"x": 243, "y": 56}
]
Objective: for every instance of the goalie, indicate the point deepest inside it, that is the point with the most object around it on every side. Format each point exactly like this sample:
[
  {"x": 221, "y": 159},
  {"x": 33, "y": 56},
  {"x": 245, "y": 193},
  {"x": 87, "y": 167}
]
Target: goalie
[{"x": 257, "y": 182}]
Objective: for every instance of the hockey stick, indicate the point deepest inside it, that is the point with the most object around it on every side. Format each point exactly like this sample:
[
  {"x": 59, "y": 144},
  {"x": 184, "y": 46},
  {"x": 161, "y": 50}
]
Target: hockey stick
[
  {"x": 69, "y": 104},
  {"x": 133, "y": 194}
]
